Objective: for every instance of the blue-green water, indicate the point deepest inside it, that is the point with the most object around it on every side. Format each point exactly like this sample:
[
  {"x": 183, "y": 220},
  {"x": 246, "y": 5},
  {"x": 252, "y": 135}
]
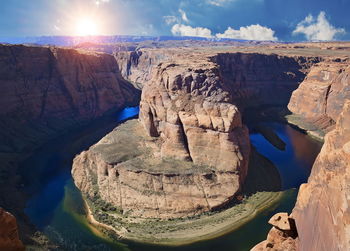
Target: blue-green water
[{"x": 56, "y": 206}]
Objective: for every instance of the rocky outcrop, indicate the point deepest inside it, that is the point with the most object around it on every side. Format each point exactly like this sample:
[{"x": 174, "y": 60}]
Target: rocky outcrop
[
  {"x": 187, "y": 108},
  {"x": 282, "y": 236},
  {"x": 321, "y": 96},
  {"x": 195, "y": 126},
  {"x": 136, "y": 180},
  {"x": 322, "y": 209},
  {"x": 9, "y": 237}
]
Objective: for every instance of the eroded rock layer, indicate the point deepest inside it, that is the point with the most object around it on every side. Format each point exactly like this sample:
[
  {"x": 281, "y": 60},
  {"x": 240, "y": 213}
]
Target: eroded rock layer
[
  {"x": 52, "y": 87},
  {"x": 322, "y": 209},
  {"x": 9, "y": 238},
  {"x": 321, "y": 96},
  {"x": 126, "y": 170},
  {"x": 321, "y": 213},
  {"x": 255, "y": 79},
  {"x": 137, "y": 65},
  {"x": 193, "y": 115},
  {"x": 45, "y": 91}
]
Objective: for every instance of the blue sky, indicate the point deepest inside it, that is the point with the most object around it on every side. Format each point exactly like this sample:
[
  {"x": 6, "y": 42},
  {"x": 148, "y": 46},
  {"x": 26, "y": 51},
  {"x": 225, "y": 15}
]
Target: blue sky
[{"x": 282, "y": 20}]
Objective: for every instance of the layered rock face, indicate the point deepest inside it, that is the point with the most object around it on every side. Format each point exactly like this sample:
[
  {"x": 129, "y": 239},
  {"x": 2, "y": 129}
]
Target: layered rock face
[
  {"x": 321, "y": 213},
  {"x": 137, "y": 65},
  {"x": 322, "y": 209},
  {"x": 192, "y": 114},
  {"x": 196, "y": 128},
  {"x": 9, "y": 238},
  {"x": 45, "y": 91},
  {"x": 125, "y": 170},
  {"x": 48, "y": 86},
  {"x": 257, "y": 79},
  {"x": 321, "y": 96}
]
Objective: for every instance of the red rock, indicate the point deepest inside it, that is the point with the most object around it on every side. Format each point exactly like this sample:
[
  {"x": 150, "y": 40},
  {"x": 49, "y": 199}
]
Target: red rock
[{"x": 9, "y": 238}]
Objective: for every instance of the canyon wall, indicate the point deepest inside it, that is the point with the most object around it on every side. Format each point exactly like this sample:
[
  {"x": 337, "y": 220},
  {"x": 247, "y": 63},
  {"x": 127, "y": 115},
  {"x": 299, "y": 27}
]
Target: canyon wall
[
  {"x": 322, "y": 209},
  {"x": 137, "y": 65},
  {"x": 255, "y": 79},
  {"x": 321, "y": 96},
  {"x": 48, "y": 89},
  {"x": 321, "y": 213},
  {"x": 44, "y": 92}
]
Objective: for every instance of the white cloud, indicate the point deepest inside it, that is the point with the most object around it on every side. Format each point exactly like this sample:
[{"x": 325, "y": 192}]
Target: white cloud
[
  {"x": 251, "y": 32},
  {"x": 219, "y": 3},
  {"x": 318, "y": 29},
  {"x": 188, "y": 31},
  {"x": 170, "y": 19},
  {"x": 98, "y": 2},
  {"x": 184, "y": 16}
]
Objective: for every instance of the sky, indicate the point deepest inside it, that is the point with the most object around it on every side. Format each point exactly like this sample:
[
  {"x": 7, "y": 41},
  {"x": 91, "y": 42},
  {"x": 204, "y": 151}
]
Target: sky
[{"x": 277, "y": 20}]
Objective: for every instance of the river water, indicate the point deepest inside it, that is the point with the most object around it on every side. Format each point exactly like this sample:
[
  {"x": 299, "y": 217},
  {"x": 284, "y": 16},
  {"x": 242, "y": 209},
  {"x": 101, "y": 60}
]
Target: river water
[{"x": 56, "y": 207}]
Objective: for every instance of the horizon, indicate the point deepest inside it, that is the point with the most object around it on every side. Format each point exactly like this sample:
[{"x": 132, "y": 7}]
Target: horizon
[{"x": 256, "y": 20}]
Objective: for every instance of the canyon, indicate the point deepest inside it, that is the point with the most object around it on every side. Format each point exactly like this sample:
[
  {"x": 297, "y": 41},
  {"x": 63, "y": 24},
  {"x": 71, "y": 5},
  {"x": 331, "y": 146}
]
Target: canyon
[
  {"x": 189, "y": 153},
  {"x": 45, "y": 92}
]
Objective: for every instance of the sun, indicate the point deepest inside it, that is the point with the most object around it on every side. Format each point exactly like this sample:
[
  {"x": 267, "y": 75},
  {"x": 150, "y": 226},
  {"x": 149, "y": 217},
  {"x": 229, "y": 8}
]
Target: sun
[{"x": 86, "y": 27}]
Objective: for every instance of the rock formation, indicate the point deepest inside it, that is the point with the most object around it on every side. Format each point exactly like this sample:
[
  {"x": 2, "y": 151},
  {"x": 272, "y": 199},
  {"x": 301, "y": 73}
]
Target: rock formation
[
  {"x": 52, "y": 88},
  {"x": 9, "y": 238},
  {"x": 320, "y": 97},
  {"x": 322, "y": 209},
  {"x": 137, "y": 65},
  {"x": 45, "y": 91},
  {"x": 321, "y": 213},
  {"x": 255, "y": 79},
  {"x": 190, "y": 106},
  {"x": 190, "y": 155},
  {"x": 190, "y": 116},
  {"x": 136, "y": 180},
  {"x": 282, "y": 236}
]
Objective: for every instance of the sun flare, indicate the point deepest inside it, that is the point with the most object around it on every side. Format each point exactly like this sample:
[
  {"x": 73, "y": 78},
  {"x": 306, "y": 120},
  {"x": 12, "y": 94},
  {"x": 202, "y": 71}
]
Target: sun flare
[{"x": 86, "y": 27}]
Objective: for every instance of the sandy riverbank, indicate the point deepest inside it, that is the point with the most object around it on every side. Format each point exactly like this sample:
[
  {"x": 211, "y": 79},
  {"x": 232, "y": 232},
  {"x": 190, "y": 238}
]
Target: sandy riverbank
[{"x": 185, "y": 231}]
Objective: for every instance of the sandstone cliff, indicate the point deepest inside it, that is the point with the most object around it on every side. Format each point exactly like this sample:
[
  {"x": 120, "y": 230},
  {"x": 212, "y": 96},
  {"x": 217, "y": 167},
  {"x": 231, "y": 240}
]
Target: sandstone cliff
[
  {"x": 137, "y": 65},
  {"x": 49, "y": 89},
  {"x": 189, "y": 115},
  {"x": 45, "y": 91},
  {"x": 255, "y": 79},
  {"x": 126, "y": 170},
  {"x": 322, "y": 209},
  {"x": 321, "y": 212},
  {"x": 320, "y": 97},
  {"x": 9, "y": 238}
]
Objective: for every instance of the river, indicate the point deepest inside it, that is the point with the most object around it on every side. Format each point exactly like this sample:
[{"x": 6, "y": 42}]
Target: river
[{"x": 56, "y": 206}]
